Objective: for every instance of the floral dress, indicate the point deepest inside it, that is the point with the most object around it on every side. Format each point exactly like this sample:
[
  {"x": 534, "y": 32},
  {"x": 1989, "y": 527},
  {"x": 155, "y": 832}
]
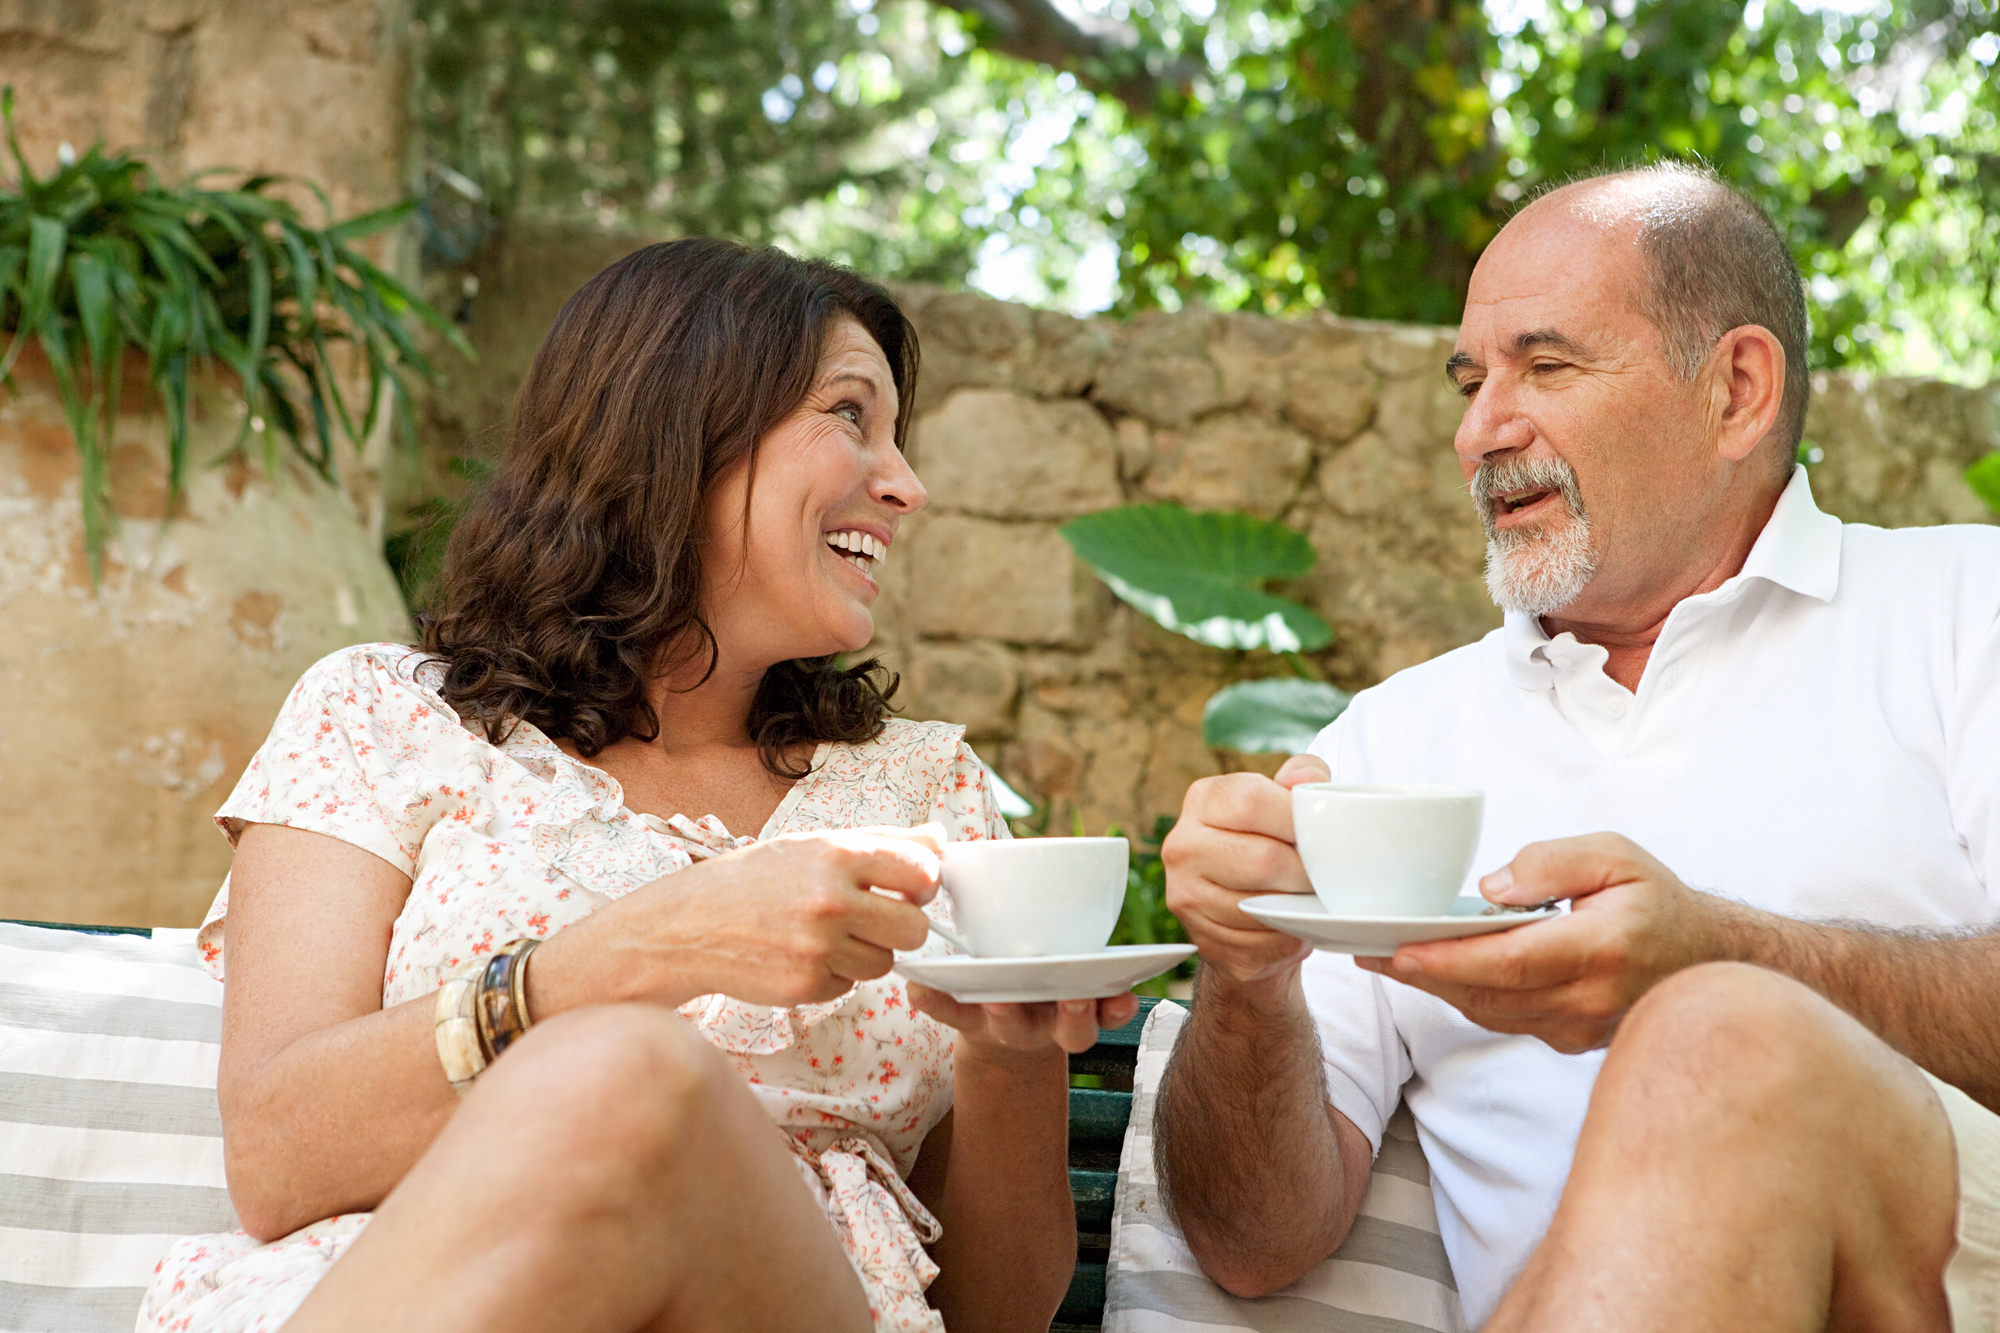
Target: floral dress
[{"x": 521, "y": 839}]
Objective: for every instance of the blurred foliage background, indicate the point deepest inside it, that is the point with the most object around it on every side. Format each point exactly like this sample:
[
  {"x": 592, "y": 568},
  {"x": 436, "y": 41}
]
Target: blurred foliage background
[{"x": 1277, "y": 155}]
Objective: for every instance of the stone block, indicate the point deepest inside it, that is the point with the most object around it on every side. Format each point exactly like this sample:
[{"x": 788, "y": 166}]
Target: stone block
[
  {"x": 970, "y": 341},
  {"x": 1232, "y": 460},
  {"x": 1161, "y": 370},
  {"x": 1403, "y": 351},
  {"x": 1330, "y": 390},
  {"x": 1068, "y": 352},
  {"x": 997, "y": 453},
  {"x": 972, "y": 684},
  {"x": 975, "y": 578},
  {"x": 1419, "y": 416},
  {"x": 1895, "y": 451}
]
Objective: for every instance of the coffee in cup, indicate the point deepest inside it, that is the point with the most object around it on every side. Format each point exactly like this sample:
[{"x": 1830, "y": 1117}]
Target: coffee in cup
[
  {"x": 1383, "y": 851},
  {"x": 1035, "y": 897}
]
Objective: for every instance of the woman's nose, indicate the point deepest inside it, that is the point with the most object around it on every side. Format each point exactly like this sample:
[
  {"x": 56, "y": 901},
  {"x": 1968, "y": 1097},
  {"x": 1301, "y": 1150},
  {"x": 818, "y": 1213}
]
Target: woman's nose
[{"x": 897, "y": 486}]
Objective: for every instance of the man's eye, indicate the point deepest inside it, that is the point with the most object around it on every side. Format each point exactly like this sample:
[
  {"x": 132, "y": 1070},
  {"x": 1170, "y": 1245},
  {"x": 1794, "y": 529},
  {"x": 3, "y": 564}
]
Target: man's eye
[{"x": 1469, "y": 387}]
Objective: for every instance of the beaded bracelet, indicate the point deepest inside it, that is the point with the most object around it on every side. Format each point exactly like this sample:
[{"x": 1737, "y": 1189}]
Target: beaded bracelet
[{"x": 482, "y": 1009}]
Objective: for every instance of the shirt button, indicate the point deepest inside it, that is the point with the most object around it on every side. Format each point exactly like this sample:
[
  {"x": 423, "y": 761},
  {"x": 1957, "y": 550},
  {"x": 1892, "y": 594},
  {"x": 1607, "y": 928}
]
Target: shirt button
[{"x": 1617, "y": 708}]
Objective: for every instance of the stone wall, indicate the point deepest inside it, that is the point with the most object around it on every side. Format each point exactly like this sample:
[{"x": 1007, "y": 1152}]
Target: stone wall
[
  {"x": 1338, "y": 427},
  {"x": 128, "y": 711}
]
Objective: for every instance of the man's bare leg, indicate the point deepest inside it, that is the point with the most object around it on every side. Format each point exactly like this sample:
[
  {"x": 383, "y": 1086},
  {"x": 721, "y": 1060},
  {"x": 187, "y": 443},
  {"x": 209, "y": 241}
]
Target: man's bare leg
[
  {"x": 612, "y": 1173},
  {"x": 1753, "y": 1158}
]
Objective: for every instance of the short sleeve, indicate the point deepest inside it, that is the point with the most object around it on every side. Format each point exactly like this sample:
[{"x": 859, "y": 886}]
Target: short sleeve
[
  {"x": 352, "y": 756},
  {"x": 1367, "y": 1063},
  {"x": 360, "y": 752},
  {"x": 967, "y": 805}
]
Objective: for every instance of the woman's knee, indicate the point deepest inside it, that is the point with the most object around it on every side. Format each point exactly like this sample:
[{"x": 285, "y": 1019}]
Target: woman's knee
[{"x": 628, "y": 1082}]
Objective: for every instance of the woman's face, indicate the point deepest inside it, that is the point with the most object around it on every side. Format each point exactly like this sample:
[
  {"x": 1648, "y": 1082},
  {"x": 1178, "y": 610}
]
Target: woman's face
[{"x": 799, "y": 579}]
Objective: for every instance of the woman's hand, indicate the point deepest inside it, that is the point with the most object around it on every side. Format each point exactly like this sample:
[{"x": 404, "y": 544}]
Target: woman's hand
[
  {"x": 789, "y": 921},
  {"x": 1008, "y": 1032}
]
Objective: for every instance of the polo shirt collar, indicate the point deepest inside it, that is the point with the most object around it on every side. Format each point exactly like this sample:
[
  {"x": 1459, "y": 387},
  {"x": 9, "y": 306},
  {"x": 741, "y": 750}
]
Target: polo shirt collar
[{"x": 1798, "y": 549}]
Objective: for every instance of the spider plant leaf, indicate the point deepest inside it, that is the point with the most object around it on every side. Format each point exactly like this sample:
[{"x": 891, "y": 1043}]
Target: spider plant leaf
[
  {"x": 366, "y": 224},
  {"x": 404, "y": 299},
  {"x": 305, "y": 276},
  {"x": 1281, "y": 715},
  {"x": 90, "y": 278},
  {"x": 46, "y": 241},
  {"x": 1202, "y": 574},
  {"x": 170, "y": 377},
  {"x": 260, "y": 297}
]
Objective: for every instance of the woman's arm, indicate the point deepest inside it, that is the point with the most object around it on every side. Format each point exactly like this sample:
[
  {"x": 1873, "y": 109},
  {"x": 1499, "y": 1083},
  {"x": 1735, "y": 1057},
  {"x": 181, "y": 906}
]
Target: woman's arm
[
  {"x": 1009, "y": 1243},
  {"x": 328, "y": 1099}
]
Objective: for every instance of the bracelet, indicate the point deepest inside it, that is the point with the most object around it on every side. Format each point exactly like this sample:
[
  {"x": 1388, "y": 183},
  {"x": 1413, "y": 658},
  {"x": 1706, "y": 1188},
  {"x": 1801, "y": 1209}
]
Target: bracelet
[
  {"x": 456, "y": 1030},
  {"x": 482, "y": 1009},
  {"x": 502, "y": 1007}
]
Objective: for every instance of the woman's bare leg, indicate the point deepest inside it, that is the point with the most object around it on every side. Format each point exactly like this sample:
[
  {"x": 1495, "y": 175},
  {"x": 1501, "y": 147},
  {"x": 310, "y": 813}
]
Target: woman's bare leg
[
  {"x": 611, "y": 1173},
  {"x": 1753, "y": 1158}
]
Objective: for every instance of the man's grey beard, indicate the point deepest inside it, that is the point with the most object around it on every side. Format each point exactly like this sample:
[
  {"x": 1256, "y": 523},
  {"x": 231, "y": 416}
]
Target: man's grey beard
[{"x": 1538, "y": 570}]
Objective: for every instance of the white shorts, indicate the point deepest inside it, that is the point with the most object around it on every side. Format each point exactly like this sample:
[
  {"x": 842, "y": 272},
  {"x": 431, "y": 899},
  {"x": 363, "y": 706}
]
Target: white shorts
[{"x": 1972, "y": 1277}]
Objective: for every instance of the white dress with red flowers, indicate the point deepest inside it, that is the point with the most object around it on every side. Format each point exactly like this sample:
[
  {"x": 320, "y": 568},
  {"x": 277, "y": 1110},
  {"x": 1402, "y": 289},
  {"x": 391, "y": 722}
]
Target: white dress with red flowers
[{"x": 521, "y": 839}]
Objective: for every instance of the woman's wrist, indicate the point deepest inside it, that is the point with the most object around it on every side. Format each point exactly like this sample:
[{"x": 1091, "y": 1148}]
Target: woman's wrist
[{"x": 594, "y": 962}]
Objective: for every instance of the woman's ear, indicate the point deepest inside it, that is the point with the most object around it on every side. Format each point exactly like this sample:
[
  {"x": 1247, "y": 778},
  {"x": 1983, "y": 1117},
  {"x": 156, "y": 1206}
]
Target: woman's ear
[{"x": 1750, "y": 366}]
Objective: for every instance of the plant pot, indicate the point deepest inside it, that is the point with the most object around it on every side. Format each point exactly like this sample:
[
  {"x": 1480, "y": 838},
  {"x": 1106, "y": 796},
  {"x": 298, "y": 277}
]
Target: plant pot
[{"x": 127, "y": 712}]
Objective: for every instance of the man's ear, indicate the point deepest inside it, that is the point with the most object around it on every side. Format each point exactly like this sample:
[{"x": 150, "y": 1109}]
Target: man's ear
[{"x": 1748, "y": 364}]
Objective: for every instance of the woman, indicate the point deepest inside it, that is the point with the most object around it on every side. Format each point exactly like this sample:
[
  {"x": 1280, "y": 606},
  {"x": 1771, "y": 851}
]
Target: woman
[{"x": 634, "y": 661}]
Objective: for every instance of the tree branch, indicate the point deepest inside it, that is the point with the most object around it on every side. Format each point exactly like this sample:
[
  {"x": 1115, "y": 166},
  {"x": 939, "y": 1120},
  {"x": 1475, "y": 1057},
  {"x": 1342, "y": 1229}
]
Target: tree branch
[{"x": 1038, "y": 31}]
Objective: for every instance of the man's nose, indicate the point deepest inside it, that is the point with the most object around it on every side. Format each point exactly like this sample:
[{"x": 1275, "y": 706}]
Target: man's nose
[{"x": 1493, "y": 424}]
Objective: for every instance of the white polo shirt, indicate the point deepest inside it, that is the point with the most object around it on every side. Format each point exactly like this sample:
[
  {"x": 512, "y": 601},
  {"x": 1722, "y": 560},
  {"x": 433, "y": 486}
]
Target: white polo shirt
[{"x": 1818, "y": 737}]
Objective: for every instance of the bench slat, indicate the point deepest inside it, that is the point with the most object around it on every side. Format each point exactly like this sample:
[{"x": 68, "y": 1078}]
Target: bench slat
[
  {"x": 1098, "y": 1113},
  {"x": 1094, "y": 1192},
  {"x": 1084, "y": 1303}
]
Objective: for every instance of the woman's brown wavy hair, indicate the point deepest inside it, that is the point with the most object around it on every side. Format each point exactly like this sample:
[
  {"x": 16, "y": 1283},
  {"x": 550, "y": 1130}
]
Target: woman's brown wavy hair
[{"x": 577, "y": 572}]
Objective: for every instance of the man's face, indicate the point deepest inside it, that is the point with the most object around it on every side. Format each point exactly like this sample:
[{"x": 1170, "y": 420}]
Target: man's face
[{"x": 1584, "y": 452}]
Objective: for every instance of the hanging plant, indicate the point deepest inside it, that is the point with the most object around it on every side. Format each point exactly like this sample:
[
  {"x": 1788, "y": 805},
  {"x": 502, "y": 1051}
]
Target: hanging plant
[{"x": 98, "y": 258}]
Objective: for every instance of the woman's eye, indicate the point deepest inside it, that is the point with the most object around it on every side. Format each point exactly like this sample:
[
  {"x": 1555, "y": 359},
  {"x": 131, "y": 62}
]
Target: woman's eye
[{"x": 852, "y": 411}]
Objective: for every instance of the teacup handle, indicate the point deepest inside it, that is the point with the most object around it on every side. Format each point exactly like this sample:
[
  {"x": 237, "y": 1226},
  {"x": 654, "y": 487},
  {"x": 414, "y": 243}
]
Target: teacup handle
[{"x": 949, "y": 937}]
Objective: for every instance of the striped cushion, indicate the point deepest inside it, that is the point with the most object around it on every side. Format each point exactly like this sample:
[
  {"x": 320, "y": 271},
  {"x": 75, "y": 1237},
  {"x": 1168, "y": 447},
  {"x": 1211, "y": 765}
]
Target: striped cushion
[
  {"x": 110, "y": 1145},
  {"x": 1391, "y": 1275}
]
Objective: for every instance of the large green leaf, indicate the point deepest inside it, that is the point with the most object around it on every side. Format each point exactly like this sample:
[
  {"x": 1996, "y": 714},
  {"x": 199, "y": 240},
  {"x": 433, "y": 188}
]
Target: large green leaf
[
  {"x": 1202, "y": 574},
  {"x": 1277, "y": 716},
  {"x": 1985, "y": 478}
]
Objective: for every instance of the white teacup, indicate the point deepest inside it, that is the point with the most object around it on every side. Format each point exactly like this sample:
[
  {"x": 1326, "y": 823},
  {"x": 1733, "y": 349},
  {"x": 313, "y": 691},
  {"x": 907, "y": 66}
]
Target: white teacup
[
  {"x": 1386, "y": 851},
  {"x": 1035, "y": 897}
]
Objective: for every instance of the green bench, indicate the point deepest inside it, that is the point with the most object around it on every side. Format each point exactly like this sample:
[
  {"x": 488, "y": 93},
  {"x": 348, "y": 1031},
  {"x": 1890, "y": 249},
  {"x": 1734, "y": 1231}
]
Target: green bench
[{"x": 1100, "y": 1104}]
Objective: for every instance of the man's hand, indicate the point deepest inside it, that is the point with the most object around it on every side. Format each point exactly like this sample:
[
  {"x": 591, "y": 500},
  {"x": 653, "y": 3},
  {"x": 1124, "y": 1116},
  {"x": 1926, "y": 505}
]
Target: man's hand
[
  {"x": 1234, "y": 841},
  {"x": 1571, "y": 979},
  {"x": 1002, "y": 1032}
]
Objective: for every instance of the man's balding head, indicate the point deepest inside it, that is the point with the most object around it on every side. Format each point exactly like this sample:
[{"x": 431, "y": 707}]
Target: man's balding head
[
  {"x": 1712, "y": 261},
  {"x": 1633, "y": 356}
]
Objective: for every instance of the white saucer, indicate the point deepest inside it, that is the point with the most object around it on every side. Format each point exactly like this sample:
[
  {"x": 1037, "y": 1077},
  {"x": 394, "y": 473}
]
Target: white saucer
[
  {"x": 1076, "y": 976},
  {"x": 1305, "y": 916}
]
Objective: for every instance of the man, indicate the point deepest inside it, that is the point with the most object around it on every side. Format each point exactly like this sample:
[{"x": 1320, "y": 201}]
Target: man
[{"x": 1797, "y": 721}]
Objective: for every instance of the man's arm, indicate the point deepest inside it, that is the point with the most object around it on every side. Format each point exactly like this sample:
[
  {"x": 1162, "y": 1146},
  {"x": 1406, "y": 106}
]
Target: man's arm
[
  {"x": 1263, "y": 1175},
  {"x": 1935, "y": 997},
  {"x": 1569, "y": 981}
]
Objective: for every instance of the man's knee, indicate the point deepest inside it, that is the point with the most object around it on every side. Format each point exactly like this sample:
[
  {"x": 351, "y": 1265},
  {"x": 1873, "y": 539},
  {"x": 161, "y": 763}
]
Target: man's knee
[{"x": 1734, "y": 1033}]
